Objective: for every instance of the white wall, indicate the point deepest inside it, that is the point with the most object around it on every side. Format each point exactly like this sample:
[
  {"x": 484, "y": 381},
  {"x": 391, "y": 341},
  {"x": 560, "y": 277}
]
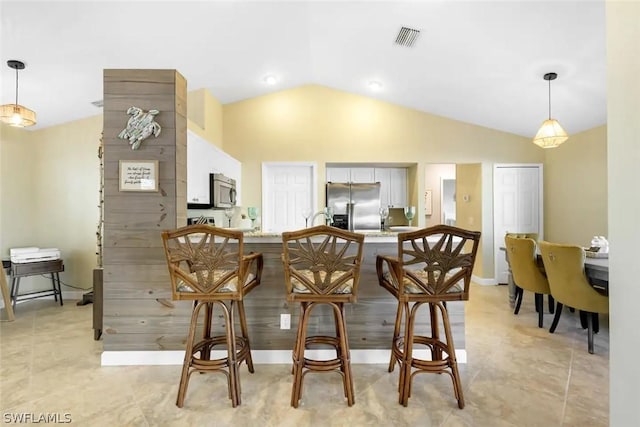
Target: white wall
[
  {"x": 623, "y": 136},
  {"x": 433, "y": 175}
]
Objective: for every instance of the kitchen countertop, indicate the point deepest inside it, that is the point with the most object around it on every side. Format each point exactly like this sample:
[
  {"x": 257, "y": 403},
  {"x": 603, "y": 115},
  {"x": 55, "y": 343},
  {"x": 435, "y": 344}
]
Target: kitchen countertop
[{"x": 276, "y": 237}]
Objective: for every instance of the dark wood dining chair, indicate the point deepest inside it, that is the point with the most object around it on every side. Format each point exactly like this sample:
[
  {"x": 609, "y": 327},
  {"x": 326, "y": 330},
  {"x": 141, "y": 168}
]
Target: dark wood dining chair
[
  {"x": 207, "y": 266},
  {"x": 433, "y": 266},
  {"x": 322, "y": 267}
]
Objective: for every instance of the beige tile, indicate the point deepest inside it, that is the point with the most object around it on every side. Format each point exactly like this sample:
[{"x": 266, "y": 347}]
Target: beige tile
[{"x": 517, "y": 375}]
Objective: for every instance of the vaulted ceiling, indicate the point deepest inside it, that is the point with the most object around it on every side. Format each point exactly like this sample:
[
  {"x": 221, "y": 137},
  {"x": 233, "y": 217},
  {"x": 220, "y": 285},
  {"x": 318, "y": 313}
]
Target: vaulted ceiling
[{"x": 478, "y": 61}]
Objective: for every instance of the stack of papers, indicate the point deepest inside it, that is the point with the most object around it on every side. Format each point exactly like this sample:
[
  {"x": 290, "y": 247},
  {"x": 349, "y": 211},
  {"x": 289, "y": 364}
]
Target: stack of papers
[{"x": 33, "y": 254}]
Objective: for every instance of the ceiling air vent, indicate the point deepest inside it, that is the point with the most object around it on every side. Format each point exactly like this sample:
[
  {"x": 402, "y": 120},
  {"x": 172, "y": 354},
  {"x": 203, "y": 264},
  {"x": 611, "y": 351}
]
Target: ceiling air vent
[
  {"x": 407, "y": 36},
  {"x": 99, "y": 103}
]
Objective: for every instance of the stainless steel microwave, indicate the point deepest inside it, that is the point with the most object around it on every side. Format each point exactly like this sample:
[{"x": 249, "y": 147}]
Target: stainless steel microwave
[{"x": 223, "y": 191}]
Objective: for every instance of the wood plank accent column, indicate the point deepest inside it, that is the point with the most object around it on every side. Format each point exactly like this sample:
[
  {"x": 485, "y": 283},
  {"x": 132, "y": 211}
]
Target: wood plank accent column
[{"x": 136, "y": 282}]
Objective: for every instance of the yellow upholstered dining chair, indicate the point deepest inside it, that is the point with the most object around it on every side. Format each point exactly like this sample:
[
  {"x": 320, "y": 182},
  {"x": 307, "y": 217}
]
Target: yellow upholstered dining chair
[
  {"x": 533, "y": 236},
  {"x": 433, "y": 266},
  {"x": 322, "y": 267},
  {"x": 522, "y": 256},
  {"x": 207, "y": 266},
  {"x": 564, "y": 265}
]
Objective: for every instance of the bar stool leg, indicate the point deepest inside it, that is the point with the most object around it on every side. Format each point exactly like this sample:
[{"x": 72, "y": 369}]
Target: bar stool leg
[
  {"x": 234, "y": 382},
  {"x": 345, "y": 357},
  {"x": 245, "y": 335},
  {"x": 298, "y": 362},
  {"x": 205, "y": 354},
  {"x": 188, "y": 354},
  {"x": 436, "y": 352},
  {"x": 407, "y": 355},
  {"x": 455, "y": 375},
  {"x": 396, "y": 335}
]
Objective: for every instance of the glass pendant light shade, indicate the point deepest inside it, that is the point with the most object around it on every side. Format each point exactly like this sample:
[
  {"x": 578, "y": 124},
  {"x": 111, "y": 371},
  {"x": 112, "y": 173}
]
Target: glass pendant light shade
[
  {"x": 550, "y": 134},
  {"x": 16, "y": 114}
]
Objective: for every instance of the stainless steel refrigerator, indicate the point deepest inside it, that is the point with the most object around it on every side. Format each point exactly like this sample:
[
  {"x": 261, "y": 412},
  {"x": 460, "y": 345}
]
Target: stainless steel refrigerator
[{"x": 355, "y": 207}]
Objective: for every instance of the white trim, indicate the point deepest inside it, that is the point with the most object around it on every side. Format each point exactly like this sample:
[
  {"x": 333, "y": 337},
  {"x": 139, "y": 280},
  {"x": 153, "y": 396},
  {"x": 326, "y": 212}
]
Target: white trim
[
  {"x": 66, "y": 296},
  {"x": 260, "y": 357},
  {"x": 484, "y": 281}
]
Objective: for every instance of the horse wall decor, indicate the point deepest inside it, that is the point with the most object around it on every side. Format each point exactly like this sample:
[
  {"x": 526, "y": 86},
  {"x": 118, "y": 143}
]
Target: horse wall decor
[{"x": 140, "y": 126}]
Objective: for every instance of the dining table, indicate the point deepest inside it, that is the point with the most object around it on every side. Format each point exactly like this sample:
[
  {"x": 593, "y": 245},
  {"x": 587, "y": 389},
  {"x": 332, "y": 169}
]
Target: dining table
[{"x": 596, "y": 270}]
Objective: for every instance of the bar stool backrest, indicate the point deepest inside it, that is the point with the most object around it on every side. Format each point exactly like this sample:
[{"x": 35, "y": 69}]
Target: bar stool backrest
[
  {"x": 205, "y": 262},
  {"x": 437, "y": 262},
  {"x": 322, "y": 261}
]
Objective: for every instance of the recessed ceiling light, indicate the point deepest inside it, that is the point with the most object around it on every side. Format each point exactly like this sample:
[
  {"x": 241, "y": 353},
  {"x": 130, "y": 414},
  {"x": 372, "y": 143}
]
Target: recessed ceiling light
[
  {"x": 375, "y": 85},
  {"x": 270, "y": 79}
]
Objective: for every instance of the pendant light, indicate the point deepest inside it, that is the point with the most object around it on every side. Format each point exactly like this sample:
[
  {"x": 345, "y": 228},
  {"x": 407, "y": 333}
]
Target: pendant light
[
  {"x": 551, "y": 133},
  {"x": 15, "y": 114}
]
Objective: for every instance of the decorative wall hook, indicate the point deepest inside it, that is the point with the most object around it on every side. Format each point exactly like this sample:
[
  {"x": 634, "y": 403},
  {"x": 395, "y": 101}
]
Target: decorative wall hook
[{"x": 140, "y": 126}]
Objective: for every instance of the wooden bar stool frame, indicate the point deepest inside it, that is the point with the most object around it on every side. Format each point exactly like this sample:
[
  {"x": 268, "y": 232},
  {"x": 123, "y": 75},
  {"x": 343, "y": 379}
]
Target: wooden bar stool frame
[
  {"x": 321, "y": 264},
  {"x": 444, "y": 274},
  {"x": 207, "y": 265}
]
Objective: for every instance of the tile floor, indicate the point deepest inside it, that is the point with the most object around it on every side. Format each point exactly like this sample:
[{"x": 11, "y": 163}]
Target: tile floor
[{"x": 516, "y": 375}]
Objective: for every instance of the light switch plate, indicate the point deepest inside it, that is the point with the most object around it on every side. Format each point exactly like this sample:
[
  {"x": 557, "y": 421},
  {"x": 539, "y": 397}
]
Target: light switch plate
[{"x": 285, "y": 321}]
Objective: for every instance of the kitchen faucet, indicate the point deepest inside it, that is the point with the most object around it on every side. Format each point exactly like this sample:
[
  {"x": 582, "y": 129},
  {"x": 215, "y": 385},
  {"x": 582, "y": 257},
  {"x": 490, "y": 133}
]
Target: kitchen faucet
[{"x": 327, "y": 212}]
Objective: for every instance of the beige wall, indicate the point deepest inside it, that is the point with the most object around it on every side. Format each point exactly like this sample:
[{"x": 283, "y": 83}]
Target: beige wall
[
  {"x": 17, "y": 185},
  {"x": 204, "y": 113},
  {"x": 623, "y": 136},
  {"x": 49, "y": 182},
  {"x": 469, "y": 212},
  {"x": 51, "y": 174},
  {"x": 316, "y": 123},
  {"x": 50, "y": 195},
  {"x": 575, "y": 183}
]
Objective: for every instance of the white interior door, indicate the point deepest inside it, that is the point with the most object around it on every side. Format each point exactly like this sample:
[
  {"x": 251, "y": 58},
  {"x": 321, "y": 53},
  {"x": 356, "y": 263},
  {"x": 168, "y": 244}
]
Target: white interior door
[
  {"x": 517, "y": 207},
  {"x": 287, "y": 189}
]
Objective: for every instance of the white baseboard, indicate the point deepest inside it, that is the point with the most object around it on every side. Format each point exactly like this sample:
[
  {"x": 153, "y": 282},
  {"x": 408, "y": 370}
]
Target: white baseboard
[
  {"x": 66, "y": 295},
  {"x": 260, "y": 357},
  {"x": 484, "y": 281}
]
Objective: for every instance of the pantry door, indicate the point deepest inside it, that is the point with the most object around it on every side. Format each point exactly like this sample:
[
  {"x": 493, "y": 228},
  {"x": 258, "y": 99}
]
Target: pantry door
[
  {"x": 287, "y": 189},
  {"x": 517, "y": 207}
]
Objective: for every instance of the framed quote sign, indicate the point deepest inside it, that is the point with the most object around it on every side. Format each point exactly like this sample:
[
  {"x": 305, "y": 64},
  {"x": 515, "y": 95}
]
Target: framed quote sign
[{"x": 138, "y": 175}]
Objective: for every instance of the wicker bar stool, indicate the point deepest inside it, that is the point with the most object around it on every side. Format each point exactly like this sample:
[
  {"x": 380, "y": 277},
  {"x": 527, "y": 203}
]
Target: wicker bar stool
[
  {"x": 433, "y": 266},
  {"x": 207, "y": 265},
  {"x": 322, "y": 266}
]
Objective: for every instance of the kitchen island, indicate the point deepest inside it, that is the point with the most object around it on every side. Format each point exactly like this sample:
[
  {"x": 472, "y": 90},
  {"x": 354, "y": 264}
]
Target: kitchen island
[{"x": 369, "y": 321}]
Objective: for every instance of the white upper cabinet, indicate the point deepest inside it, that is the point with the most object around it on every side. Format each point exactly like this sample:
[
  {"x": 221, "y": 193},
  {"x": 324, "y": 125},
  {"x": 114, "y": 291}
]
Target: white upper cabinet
[
  {"x": 338, "y": 174},
  {"x": 204, "y": 158},
  {"x": 393, "y": 182},
  {"x": 393, "y": 186},
  {"x": 382, "y": 175},
  {"x": 398, "y": 187},
  {"x": 362, "y": 175},
  {"x": 200, "y": 159},
  {"x": 358, "y": 175}
]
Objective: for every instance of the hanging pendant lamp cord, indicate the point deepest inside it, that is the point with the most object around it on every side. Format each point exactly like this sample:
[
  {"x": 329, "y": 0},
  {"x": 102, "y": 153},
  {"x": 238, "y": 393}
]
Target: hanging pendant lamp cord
[
  {"x": 549, "y": 98},
  {"x": 16, "y": 87}
]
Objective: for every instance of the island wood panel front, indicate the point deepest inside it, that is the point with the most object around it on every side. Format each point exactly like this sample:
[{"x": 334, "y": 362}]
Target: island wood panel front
[
  {"x": 132, "y": 251},
  {"x": 369, "y": 321}
]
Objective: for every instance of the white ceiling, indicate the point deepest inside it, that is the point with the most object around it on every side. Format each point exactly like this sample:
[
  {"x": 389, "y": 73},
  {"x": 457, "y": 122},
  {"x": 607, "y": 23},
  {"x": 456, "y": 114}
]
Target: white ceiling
[{"x": 480, "y": 62}]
